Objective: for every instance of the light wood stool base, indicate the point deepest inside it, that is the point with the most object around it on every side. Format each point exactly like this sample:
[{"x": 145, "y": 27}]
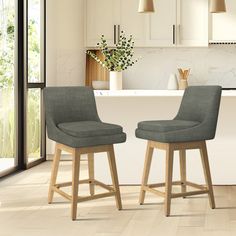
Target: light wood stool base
[
  {"x": 74, "y": 198},
  {"x": 168, "y": 195}
]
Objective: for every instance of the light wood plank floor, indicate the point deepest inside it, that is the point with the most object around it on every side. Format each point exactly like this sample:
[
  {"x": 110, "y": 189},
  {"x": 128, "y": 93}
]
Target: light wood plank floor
[{"x": 24, "y": 211}]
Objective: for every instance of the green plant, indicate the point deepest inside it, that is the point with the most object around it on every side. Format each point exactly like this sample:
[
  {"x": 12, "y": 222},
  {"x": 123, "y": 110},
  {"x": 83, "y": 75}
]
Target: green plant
[
  {"x": 7, "y": 36},
  {"x": 118, "y": 58}
]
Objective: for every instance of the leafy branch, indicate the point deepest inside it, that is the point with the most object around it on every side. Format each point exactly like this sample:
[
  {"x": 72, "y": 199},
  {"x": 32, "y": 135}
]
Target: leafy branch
[{"x": 118, "y": 58}]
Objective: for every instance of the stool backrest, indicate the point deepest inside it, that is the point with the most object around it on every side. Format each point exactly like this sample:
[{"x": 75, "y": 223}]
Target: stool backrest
[
  {"x": 69, "y": 104},
  {"x": 201, "y": 103}
]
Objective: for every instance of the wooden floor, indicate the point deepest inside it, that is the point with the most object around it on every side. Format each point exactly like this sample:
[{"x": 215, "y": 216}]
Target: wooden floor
[{"x": 24, "y": 211}]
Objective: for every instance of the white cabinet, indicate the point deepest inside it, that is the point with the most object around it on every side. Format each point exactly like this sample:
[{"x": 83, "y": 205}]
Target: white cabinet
[
  {"x": 132, "y": 22},
  {"x": 174, "y": 22},
  {"x": 110, "y": 17},
  {"x": 224, "y": 24},
  {"x": 161, "y": 24},
  {"x": 101, "y": 17},
  {"x": 179, "y": 23},
  {"x": 192, "y": 22}
]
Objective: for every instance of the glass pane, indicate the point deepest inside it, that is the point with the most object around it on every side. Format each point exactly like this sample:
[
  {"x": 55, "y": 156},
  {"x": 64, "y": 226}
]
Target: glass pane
[
  {"x": 33, "y": 124},
  {"x": 34, "y": 41},
  {"x": 7, "y": 105}
]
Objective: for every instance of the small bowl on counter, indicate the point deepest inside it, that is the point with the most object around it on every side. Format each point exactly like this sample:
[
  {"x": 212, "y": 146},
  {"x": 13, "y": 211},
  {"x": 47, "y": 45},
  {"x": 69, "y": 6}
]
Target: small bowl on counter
[{"x": 100, "y": 85}]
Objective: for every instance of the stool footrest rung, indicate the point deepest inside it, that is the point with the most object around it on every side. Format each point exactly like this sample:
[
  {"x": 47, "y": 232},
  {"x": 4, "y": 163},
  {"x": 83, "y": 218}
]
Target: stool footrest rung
[
  {"x": 107, "y": 187},
  {"x": 86, "y": 181},
  {"x": 67, "y": 184},
  {"x": 163, "y": 184},
  {"x": 62, "y": 193},
  {"x": 201, "y": 189},
  {"x": 111, "y": 190},
  {"x": 95, "y": 196},
  {"x": 198, "y": 186},
  {"x": 154, "y": 191},
  {"x": 190, "y": 193}
]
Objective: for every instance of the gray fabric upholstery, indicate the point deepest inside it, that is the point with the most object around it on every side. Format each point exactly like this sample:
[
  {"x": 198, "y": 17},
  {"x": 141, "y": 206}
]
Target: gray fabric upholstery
[
  {"x": 84, "y": 129},
  {"x": 195, "y": 121},
  {"x": 166, "y": 125},
  {"x": 72, "y": 119}
]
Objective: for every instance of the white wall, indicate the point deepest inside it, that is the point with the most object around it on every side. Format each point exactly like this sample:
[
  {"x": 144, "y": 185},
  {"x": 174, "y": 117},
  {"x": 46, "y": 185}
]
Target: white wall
[{"x": 65, "y": 43}]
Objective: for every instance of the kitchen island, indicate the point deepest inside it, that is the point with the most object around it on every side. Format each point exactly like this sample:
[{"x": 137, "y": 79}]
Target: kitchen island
[{"x": 128, "y": 107}]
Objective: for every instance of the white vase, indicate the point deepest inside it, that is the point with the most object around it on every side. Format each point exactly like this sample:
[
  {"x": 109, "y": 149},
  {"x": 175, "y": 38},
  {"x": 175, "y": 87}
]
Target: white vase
[
  {"x": 173, "y": 82},
  {"x": 115, "y": 80}
]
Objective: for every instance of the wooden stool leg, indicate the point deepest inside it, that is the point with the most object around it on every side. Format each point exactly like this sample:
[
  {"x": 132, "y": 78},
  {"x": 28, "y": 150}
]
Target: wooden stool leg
[
  {"x": 146, "y": 171},
  {"x": 55, "y": 166},
  {"x": 182, "y": 162},
  {"x": 114, "y": 176},
  {"x": 207, "y": 173},
  {"x": 169, "y": 173},
  {"x": 91, "y": 172},
  {"x": 75, "y": 183}
]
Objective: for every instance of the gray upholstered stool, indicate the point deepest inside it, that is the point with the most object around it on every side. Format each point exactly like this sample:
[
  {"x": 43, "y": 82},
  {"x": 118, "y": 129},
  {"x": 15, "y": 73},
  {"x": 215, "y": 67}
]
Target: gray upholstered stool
[
  {"x": 194, "y": 124},
  {"x": 73, "y": 123}
]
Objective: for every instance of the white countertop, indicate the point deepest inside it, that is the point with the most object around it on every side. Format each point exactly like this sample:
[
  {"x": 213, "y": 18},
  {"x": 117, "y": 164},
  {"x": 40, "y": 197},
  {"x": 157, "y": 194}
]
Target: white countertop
[{"x": 151, "y": 93}]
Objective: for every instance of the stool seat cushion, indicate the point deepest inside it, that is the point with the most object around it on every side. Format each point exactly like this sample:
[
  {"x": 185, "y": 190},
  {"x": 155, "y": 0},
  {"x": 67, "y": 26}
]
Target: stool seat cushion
[
  {"x": 85, "y": 129},
  {"x": 87, "y": 134},
  {"x": 170, "y": 131},
  {"x": 166, "y": 125}
]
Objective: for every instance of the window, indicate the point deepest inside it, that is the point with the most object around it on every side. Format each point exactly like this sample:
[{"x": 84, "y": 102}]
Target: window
[{"x": 22, "y": 79}]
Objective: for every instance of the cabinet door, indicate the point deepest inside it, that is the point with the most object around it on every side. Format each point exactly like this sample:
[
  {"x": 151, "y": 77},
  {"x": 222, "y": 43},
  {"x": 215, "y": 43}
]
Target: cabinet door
[
  {"x": 192, "y": 22},
  {"x": 132, "y": 22},
  {"x": 100, "y": 19},
  {"x": 161, "y": 24},
  {"x": 223, "y": 25}
]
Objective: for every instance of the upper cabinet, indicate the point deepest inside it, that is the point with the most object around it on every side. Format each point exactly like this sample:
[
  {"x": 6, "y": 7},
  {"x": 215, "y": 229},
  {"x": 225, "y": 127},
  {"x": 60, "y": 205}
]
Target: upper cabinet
[
  {"x": 101, "y": 18},
  {"x": 132, "y": 22},
  {"x": 223, "y": 25},
  {"x": 174, "y": 22},
  {"x": 192, "y": 22},
  {"x": 110, "y": 17},
  {"x": 162, "y": 24}
]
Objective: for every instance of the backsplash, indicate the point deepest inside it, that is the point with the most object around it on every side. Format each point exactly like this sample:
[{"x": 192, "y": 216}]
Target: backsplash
[{"x": 213, "y": 65}]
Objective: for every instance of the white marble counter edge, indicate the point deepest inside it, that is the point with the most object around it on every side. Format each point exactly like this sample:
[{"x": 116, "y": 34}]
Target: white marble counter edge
[{"x": 151, "y": 93}]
